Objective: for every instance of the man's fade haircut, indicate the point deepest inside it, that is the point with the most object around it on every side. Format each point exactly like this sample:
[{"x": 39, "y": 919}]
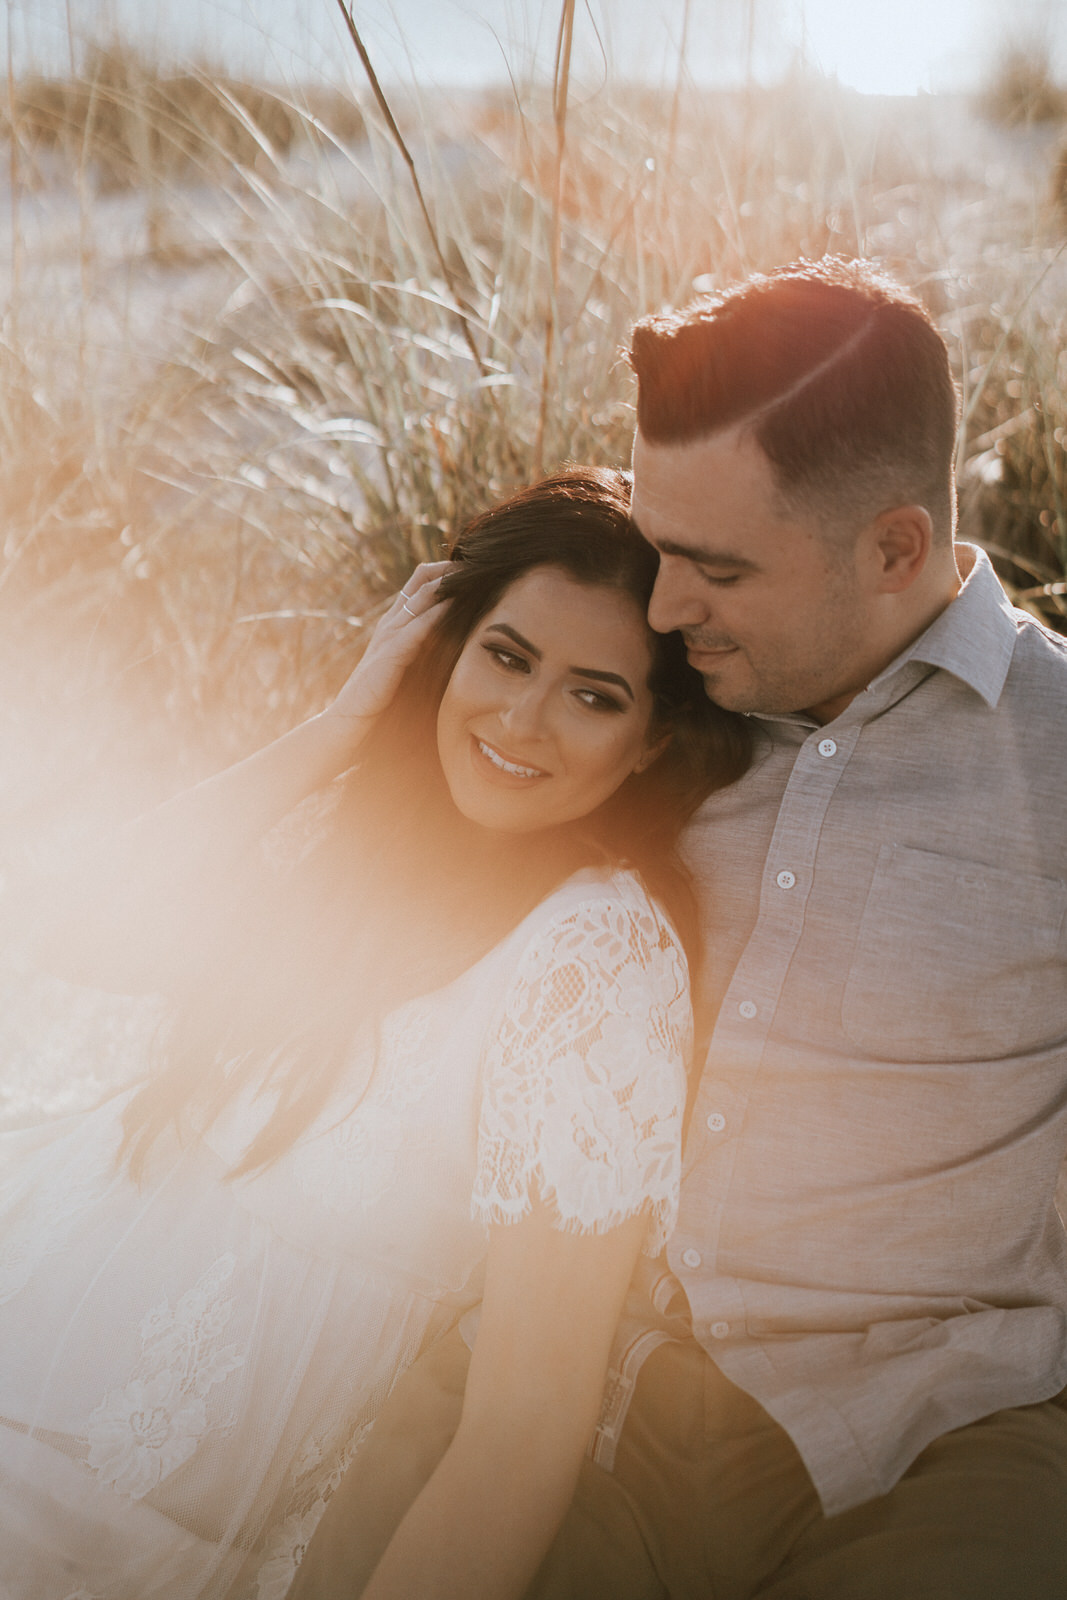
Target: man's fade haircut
[{"x": 838, "y": 372}]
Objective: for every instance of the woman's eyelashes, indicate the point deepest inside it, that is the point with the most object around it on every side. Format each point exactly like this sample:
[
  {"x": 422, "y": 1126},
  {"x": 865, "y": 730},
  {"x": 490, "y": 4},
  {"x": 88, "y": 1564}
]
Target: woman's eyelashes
[
  {"x": 513, "y": 661},
  {"x": 510, "y": 660},
  {"x": 598, "y": 701}
]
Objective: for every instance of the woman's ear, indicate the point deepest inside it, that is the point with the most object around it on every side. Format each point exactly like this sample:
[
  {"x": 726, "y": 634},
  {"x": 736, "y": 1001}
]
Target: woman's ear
[{"x": 652, "y": 752}]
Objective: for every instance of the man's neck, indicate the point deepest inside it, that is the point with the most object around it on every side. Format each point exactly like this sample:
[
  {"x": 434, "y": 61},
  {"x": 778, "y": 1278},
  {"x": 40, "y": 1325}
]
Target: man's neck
[{"x": 908, "y": 622}]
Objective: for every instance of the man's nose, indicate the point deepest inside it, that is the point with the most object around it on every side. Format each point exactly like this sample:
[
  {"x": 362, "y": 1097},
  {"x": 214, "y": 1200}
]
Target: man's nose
[{"x": 677, "y": 600}]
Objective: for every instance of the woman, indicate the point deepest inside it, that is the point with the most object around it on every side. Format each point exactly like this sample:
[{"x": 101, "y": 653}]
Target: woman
[{"x": 465, "y": 1018}]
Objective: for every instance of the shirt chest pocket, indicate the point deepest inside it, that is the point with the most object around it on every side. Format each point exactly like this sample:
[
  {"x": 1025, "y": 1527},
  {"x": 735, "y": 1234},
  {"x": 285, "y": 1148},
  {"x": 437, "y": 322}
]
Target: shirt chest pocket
[{"x": 956, "y": 961}]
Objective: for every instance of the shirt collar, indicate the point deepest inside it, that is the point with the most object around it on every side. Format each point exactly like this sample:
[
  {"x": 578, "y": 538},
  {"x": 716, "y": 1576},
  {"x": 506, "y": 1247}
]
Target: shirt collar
[{"x": 973, "y": 638}]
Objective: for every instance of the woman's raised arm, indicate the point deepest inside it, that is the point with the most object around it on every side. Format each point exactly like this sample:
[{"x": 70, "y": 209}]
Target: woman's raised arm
[
  {"x": 119, "y": 916},
  {"x": 486, "y": 1518}
]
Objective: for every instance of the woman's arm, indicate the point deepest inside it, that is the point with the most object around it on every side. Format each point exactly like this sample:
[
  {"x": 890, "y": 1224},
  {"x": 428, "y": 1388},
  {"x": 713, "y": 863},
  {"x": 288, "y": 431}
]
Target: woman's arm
[
  {"x": 482, "y": 1525},
  {"x": 118, "y": 917}
]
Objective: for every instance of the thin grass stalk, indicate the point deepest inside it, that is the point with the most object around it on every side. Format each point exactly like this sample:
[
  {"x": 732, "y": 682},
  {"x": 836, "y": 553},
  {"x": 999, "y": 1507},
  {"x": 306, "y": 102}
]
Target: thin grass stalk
[
  {"x": 409, "y": 162},
  {"x": 679, "y": 82},
  {"x": 750, "y": 94},
  {"x": 13, "y": 178},
  {"x": 991, "y": 365},
  {"x": 560, "y": 95}
]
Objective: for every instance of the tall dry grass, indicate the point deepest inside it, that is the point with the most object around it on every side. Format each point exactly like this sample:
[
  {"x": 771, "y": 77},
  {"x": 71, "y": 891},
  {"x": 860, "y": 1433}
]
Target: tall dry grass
[{"x": 201, "y": 509}]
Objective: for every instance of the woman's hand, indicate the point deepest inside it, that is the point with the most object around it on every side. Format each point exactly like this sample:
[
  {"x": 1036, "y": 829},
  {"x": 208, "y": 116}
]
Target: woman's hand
[{"x": 397, "y": 640}]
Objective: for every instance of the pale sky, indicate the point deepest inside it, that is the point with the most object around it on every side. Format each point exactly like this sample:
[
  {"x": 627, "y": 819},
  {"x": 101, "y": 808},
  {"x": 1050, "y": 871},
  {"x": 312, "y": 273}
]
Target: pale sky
[{"x": 882, "y": 46}]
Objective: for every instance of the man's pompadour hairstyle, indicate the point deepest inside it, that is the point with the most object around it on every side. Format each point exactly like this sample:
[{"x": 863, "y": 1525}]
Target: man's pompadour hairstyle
[{"x": 839, "y": 372}]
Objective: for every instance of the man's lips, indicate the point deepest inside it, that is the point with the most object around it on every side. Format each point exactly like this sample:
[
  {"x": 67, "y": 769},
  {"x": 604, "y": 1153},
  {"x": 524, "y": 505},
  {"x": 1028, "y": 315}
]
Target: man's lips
[{"x": 698, "y": 653}]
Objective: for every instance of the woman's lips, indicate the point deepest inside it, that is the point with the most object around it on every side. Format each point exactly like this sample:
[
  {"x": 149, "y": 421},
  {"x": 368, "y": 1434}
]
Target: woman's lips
[{"x": 503, "y": 766}]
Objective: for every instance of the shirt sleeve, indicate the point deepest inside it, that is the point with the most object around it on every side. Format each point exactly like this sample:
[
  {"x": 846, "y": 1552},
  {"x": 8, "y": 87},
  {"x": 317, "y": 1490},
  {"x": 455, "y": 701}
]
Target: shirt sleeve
[{"x": 584, "y": 1084}]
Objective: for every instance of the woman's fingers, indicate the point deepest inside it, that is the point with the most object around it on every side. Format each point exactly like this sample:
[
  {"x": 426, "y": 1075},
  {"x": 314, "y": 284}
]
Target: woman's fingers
[
  {"x": 396, "y": 641},
  {"x": 419, "y": 594},
  {"x": 426, "y": 572}
]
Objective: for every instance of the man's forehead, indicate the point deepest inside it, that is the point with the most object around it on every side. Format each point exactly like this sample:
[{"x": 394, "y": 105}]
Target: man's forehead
[
  {"x": 676, "y": 486},
  {"x": 665, "y": 475}
]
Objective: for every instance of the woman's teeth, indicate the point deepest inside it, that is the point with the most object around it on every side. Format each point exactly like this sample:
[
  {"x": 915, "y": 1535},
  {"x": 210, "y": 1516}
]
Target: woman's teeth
[{"x": 508, "y": 766}]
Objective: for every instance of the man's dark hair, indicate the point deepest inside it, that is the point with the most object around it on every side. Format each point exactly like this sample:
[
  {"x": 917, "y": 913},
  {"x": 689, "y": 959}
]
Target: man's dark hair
[{"x": 837, "y": 370}]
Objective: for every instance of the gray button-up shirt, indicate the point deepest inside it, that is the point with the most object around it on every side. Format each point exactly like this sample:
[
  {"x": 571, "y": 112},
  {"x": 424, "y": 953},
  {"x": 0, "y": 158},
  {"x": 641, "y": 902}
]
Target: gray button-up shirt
[{"x": 868, "y": 1241}]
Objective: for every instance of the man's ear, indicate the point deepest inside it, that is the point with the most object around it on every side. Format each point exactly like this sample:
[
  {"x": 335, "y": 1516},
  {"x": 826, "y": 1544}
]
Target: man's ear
[
  {"x": 652, "y": 752},
  {"x": 900, "y": 543}
]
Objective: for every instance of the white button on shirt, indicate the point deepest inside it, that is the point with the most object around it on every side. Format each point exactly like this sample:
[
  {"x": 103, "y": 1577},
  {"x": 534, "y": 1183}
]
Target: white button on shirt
[
  {"x": 827, "y": 747},
  {"x": 719, "y": 1330},
  {"x": 716, "y": 1121},
  {"x": 786, "y": 880},
  {"x": 748, "y": 1009},
  {"x": 690, "y": 1258}
]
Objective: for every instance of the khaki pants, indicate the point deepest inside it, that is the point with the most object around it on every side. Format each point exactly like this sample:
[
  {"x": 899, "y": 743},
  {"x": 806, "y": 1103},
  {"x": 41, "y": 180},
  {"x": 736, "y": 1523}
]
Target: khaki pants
[{"x": 710, "y": 1501}]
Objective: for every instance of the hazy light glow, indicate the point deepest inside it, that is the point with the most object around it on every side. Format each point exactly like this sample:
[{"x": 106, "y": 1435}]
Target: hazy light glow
[
  {"x": 889, "y": 46},
  {"x": 876, "y": 46}
]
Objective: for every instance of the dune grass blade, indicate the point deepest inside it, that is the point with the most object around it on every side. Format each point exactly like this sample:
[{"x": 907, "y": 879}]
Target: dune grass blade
[
  {"x": 409, "y": 161},
  {"x": 560, "y": 96}
]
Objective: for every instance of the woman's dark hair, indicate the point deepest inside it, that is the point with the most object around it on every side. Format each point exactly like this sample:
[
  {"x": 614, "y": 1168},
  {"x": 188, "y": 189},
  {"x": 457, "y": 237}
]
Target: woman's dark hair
[{"x": 402, "y": 893}]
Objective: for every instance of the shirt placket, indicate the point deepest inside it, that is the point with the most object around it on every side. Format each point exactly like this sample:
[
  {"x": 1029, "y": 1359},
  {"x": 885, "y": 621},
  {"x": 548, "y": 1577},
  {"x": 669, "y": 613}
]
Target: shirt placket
[{"x": 744, "y": 1026}]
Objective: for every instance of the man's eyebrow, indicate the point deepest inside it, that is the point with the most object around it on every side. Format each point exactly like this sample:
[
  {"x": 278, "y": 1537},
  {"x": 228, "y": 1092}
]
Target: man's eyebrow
[
  {"x": 579, "y": 672},
  {"x": 705, "y": 558}
]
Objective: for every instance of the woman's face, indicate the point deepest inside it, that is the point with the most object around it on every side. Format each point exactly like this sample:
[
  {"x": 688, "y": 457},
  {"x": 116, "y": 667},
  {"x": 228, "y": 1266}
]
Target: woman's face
[{"x": 548, "y": 708}]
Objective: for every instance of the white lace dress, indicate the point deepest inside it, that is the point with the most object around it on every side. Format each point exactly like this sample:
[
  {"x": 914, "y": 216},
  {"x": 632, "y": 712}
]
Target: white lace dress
[{"x": 186, "y": 1367}]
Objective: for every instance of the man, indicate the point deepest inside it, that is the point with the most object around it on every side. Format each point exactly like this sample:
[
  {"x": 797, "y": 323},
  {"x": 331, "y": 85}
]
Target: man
[{"x": 846, "y": 1382}]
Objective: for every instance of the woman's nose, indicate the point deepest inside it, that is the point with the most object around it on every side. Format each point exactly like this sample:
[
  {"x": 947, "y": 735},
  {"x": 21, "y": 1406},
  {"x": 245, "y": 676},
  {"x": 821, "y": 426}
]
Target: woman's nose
[{"x": 525, "y": 712}]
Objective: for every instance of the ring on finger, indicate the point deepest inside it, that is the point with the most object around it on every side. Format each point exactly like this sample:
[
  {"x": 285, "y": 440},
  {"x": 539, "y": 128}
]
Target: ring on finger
[{"x": 407, "y": 608}]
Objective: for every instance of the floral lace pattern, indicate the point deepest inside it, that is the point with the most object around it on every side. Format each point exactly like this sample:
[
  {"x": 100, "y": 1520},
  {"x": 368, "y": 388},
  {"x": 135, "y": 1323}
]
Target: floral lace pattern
[
  {"x": 585, "y": 1080},
  {"x": 143, "y": 1432},
  {"x": 316, "y": 1476},
  {"x": 372, "y": 1145}
]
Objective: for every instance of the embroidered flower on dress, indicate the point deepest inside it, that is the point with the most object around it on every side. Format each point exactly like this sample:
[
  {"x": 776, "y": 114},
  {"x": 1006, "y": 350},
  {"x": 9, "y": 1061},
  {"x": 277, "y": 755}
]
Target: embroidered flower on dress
[
  {"x": 317, "y": 1471},
  {"x": 139, "y": 1434},
  {"x": 275, "y": 1577},
  {"x": 144, "y": 1431}
]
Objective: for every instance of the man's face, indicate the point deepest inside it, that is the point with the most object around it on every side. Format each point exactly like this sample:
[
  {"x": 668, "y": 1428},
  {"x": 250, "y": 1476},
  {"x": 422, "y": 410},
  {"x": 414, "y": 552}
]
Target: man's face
[{"x": 775, "y": 617}]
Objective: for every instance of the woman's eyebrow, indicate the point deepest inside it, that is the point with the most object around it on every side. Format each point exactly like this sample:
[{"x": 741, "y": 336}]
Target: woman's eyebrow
[
  {"x": 516, "y": 636},
  {"x": 603, "y": 677},
  {"x": 579, "y": 672}
]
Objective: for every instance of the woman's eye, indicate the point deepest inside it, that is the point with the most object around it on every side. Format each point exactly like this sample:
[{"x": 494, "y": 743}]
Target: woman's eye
[
  {"x": 597, "y": 701},
  {"x": 508, "y": 659}
]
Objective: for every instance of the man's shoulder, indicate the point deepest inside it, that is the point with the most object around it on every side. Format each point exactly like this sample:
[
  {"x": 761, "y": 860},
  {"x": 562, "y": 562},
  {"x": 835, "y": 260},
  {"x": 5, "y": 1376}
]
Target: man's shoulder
[
  {"x": 1032, "y": 629},
  {"x": 1039, "y": 661}
]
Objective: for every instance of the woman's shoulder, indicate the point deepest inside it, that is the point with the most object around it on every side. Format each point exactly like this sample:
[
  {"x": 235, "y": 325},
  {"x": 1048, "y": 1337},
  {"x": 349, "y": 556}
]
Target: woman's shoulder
[
  {"x": 601, "y": 924},
  {"x": 599, "y": 891},
  {"x": 604, "y": 915}
]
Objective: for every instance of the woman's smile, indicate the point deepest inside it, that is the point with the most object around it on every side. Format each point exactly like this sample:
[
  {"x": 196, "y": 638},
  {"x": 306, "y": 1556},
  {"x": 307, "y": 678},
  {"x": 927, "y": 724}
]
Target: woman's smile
[
  {"x": 548, "y": 709},
  {"x": 507, "y": 768}
]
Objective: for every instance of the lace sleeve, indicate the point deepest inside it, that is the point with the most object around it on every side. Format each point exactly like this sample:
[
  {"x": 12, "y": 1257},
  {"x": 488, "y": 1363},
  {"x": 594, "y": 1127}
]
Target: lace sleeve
[{"x": 584, "y": 1085}]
